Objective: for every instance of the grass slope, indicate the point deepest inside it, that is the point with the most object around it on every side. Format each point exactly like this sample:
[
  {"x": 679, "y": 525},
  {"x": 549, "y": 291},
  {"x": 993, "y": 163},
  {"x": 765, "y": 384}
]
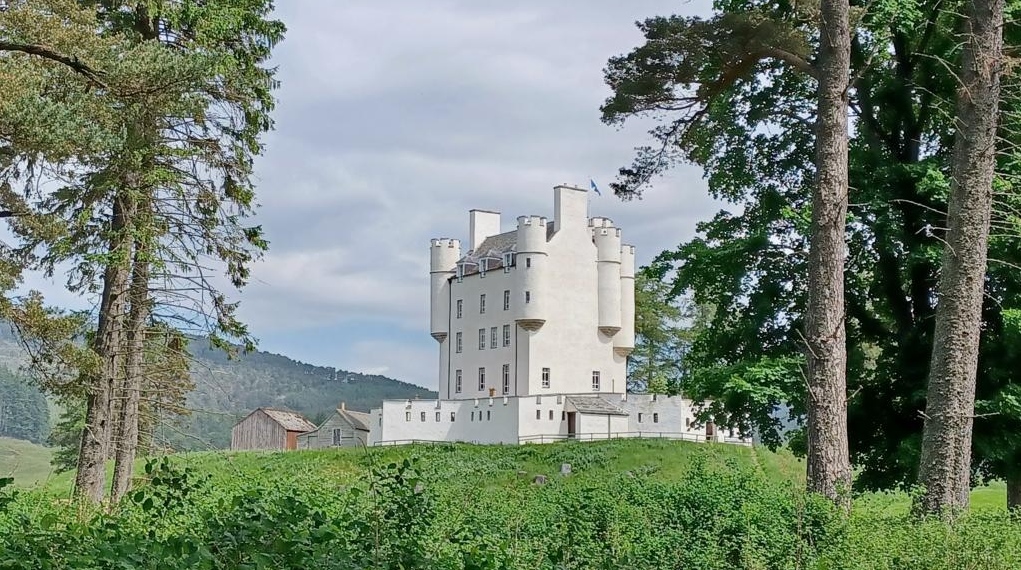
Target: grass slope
[{"x": 27, "y": 462}]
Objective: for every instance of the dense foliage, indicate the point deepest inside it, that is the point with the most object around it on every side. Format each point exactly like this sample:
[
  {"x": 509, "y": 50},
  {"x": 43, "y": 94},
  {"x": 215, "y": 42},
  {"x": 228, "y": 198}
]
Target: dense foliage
[
  {"x": 730, "y": 94},
  {"x": 475, "y": 507}
]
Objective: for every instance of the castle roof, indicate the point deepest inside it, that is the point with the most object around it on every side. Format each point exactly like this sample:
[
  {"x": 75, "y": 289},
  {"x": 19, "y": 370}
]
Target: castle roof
[
  {"x": 594, "y": 405},
  {"x": 493, "y": 248}
]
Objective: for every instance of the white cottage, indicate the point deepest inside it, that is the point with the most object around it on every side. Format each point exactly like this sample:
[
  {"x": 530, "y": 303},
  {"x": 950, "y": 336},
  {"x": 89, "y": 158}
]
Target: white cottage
[{"x": 534, "y": 326}]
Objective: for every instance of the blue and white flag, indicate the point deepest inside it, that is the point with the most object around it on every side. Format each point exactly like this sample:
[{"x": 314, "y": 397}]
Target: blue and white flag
[{"x": 592, "y": 184}]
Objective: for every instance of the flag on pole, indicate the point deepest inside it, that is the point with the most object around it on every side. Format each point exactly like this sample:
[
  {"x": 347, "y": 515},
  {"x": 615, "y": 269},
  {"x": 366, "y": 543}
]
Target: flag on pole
[{"x": 592, "y": 184}]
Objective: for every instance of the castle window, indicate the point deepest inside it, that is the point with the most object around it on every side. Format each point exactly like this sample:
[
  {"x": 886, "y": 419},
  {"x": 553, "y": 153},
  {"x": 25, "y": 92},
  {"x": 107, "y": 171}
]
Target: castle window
[
  {"x": 437, "y": 416},
  {"x": 492, "y": 337},
  {"x": 407, "y": 416},
  {"x": 482, "y": 339},
  {"x": 551, "y": 415},
  {"x": 489, "y": 415},
  {"x": 528, "y": 262},
  {"x": 528, "y": 297},
  {"x": 655, "y": 418},
  {"x": 460, "y": 272},
  {"x": 506, "y": 300},
  {"x": 687, "y": 423},
  {"x": 595, "y": 380},
  {"x": 482, "y": 304},
  {"x": 460, "y": 345},
  {"x": 483, "y": 266},
  {"x": 451, "y": 416},
  {"x": 563, "y": 416},
  {"x": 506, "y": 335},
  {"x": 506, "y": 378},
  {"x": 460, "y": 307},
  {"x": 423, "y": 416},
  {"x": 482, "y": 378},
  {"x": 508, "y": 260},
  {"x": 538, "y": 414},
  {"x": 457, "y": 381},
  {"x": 545, "y": 377},
  {"x": 639, "y": 418},
  {"x": 473, "y": 416}
]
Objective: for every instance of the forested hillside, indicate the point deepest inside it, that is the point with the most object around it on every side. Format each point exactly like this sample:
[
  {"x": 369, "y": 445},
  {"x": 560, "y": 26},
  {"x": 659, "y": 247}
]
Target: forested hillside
[
  {"x": 225, "y": 390},
  {"x": 23, "y": 410}
]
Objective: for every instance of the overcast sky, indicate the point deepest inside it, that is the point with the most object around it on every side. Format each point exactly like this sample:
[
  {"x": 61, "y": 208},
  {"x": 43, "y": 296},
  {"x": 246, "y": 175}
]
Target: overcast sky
[{"x": 397, "y": 117}]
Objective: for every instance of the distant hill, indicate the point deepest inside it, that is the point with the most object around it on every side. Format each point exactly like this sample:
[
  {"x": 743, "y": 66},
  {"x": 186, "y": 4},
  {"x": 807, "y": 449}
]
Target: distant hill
[{"x": 226, "y": 390}]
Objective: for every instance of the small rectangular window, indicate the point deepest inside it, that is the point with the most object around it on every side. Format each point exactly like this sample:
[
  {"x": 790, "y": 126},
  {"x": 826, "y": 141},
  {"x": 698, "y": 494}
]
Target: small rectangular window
[
  {"x": 482, "y": 304},
  {"x": 595, "y": 380},
  {"x": 506, "y": 300},
  {"x": 457, "y": 381},
  {"x": 551, "y": 415},
  {"x": 460, "y": 307},
  {"x": 407, "y": 416},
  {"x": 460, "y": 344},
  {"x": 639, "y": 418},
  {"x": 451, "y": 416},
  {"x": 482, "y": 378},
  {"x": 337, "y": 436},
  {"x": 437, "y": 416},
  {"x": 506, "y": 378},
  {"x": 545, "y": 377},
  {"x": 655, "y": 418},
  {"x": 492, "y": 338},
  {"x": 528, "y": 297},
  {"x": 528, "y": 262},
  {"x": 538, "y": 414},
  {"x": 423, "y": 416},
  {"x": 489, "y": 415},
  {"x": 506, "y": 335},
  {"x": 473, "y": 416},
  {"x": 563, "y": 416},
  {"x": 482, "y": 339}
]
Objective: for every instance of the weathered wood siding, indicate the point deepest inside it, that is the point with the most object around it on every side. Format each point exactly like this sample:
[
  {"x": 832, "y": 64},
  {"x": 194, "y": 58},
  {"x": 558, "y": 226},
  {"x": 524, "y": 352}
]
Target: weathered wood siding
[
  {"x": 258, "y": 431},
  {"x": 328, "y": 436}
]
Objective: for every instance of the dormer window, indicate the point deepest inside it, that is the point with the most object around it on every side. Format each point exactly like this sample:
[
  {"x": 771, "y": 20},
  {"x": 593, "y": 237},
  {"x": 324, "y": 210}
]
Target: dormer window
[
  {"x": 460, "y": 272},
  {"x": 483, "y": 265},
  {"x": 508, "y": 261}
]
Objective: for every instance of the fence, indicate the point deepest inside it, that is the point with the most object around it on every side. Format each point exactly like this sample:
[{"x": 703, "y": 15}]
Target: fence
[{"x": 596, "y": 436}]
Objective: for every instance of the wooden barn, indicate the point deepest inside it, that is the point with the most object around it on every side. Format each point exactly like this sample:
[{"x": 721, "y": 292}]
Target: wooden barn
[
  {"x": 343, "y": 428},
  {"x": 267, "y": 428}
]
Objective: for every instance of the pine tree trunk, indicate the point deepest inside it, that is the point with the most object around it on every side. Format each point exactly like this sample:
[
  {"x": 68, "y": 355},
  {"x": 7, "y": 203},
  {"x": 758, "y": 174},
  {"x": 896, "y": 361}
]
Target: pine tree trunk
[
  {"x": 828, "y": 465},
  {"x": 138, "y": 317},
  {"x": 1014, "y": 489},
  {"x": 945, "y": 466},
  {"x": 90, "y": 478}
]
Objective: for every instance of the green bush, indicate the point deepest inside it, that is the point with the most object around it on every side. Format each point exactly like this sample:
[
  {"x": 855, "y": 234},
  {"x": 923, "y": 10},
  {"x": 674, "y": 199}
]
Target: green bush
[{"x": 281, "y": 511}]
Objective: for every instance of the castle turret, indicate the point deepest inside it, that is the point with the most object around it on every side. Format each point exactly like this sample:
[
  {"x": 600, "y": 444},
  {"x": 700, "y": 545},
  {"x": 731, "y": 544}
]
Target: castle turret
[
  {"x": 608, "y": 264},
  {"x": 530, "y": 274},
  {"x": 442, "y": 262},
  {"x": 624, "y": 341}
]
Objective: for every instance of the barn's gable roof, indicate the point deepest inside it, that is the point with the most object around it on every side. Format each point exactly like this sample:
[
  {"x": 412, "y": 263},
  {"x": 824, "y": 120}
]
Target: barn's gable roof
[{"x": 290, "y": 421}]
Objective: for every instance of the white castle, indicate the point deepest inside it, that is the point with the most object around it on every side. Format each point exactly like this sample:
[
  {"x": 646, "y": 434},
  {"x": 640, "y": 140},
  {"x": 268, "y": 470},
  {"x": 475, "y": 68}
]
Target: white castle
[{"x": 534, "y": 328}]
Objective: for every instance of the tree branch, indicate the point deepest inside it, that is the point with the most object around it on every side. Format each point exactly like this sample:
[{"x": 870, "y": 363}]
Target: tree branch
[{"x": 49, "y": 53}]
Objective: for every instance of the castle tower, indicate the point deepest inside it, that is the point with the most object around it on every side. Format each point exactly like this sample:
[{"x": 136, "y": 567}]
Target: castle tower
[
  {"x": 608, "y": 264},
  {"x": 530, "y": 274},
  {"x": 443, "y": 257},
  {"x": 624, "y": 341}
]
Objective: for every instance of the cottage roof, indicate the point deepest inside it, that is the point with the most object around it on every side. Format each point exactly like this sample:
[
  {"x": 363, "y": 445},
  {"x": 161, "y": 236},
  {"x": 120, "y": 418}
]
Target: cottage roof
[
  {"x": 594, "y": 405},
  {"x": 290, "y": 421},
  {"x": 359, "y": 420}
]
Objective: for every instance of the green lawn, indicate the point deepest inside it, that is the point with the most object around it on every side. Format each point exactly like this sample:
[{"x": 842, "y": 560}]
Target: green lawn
[{"x": 27, "y": 462}]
